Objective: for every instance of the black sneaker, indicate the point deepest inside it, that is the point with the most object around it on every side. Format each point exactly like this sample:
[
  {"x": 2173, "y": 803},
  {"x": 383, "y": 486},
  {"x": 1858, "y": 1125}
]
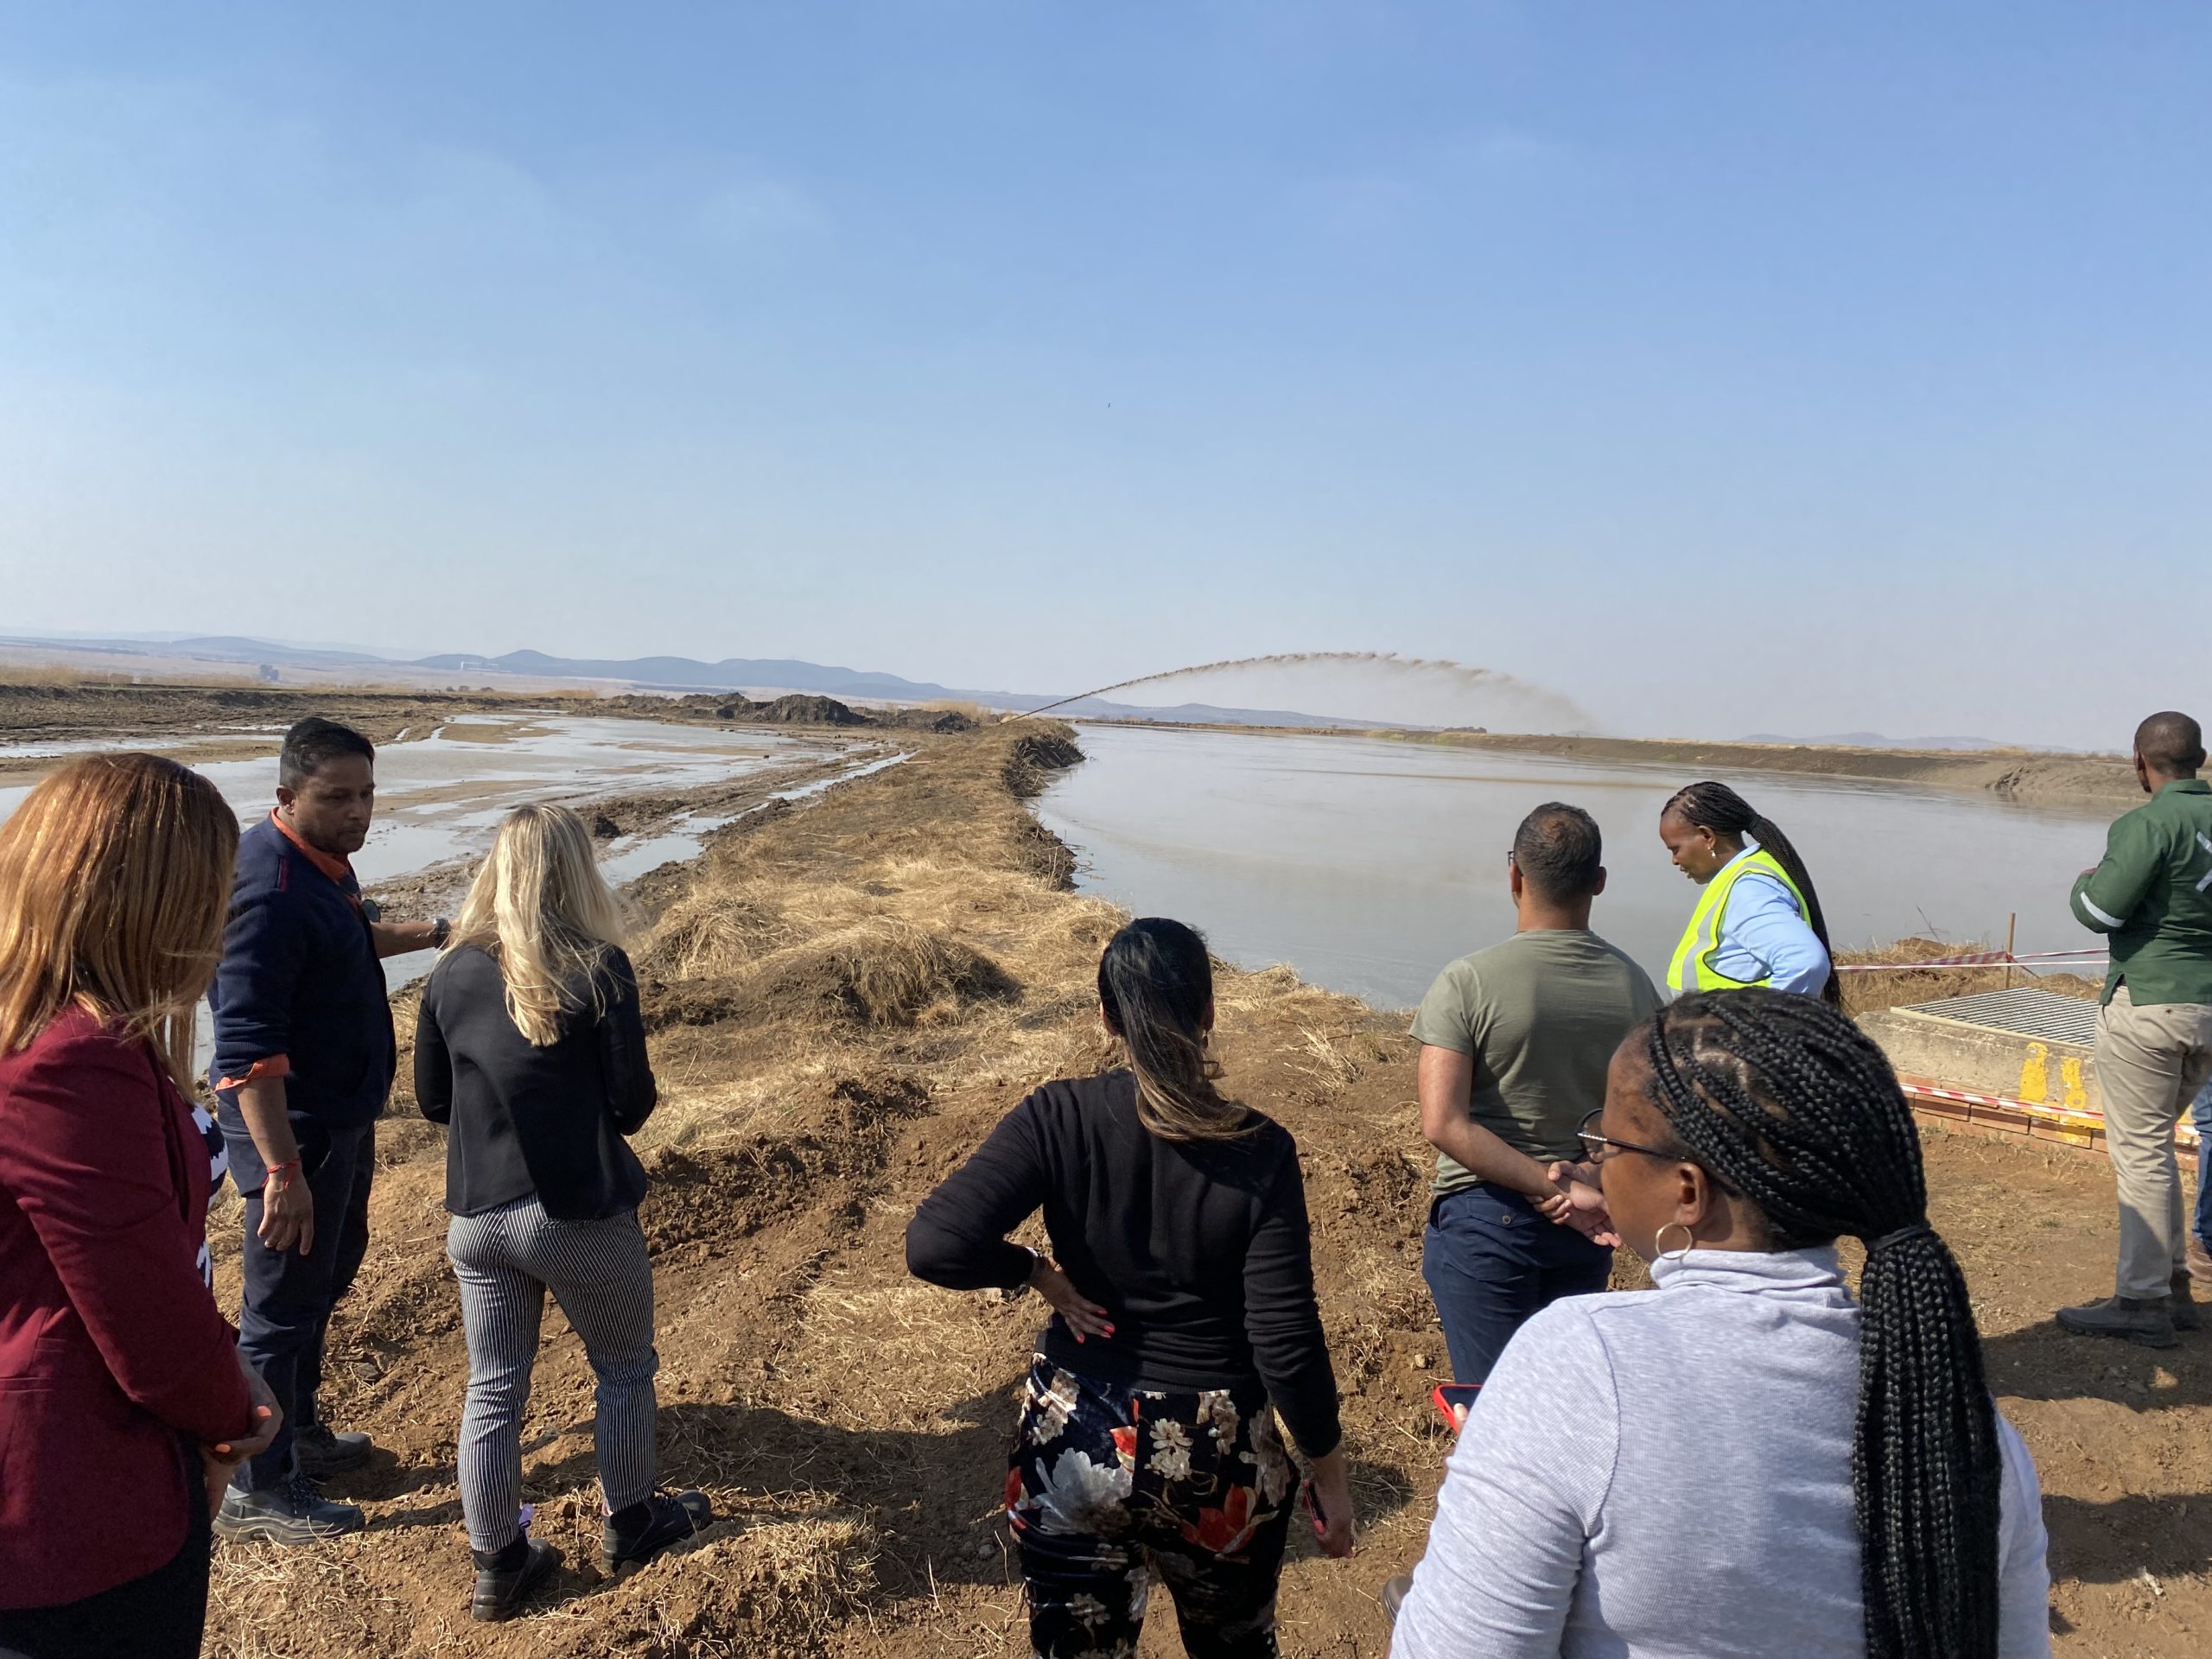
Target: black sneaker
[
  {"x": 294, "y": 1513},
  {"x": 324, "y": 1451},
  {"x": 665, "y": 1519},
  {"x": 499, "y": 1595}
]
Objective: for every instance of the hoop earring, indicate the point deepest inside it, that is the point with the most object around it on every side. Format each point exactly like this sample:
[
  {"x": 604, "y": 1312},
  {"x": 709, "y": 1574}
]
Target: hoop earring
[{"x": 1689, "y": 1242}]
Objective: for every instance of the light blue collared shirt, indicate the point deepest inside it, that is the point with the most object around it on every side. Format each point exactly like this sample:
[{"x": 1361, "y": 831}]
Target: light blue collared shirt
[{"x": 1764, "y": 936}]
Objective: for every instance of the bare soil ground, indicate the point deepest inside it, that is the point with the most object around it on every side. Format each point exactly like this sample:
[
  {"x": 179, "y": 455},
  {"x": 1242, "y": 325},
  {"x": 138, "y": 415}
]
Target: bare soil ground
[{"x": 844, "y": 1000}]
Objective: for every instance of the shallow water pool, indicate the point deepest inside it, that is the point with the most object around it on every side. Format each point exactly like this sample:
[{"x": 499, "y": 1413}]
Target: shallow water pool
[{"x": 1368, "y": 864}]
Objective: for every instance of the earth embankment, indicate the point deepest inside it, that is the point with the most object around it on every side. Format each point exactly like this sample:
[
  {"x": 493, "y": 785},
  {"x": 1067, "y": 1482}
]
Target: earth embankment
[
  {"x": 2016, "y": 775},
  {"x": 843, "y": 1000}
]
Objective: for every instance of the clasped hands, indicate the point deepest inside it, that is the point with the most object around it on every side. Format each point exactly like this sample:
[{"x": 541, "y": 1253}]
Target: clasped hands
[
  {"x": 218, "y": 1462},
  {"x": 1577, "y": 1201}
]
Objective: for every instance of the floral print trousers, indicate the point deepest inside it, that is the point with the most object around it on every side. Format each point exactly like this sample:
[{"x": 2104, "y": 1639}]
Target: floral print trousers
[{"x": 1109, "y": 1486}]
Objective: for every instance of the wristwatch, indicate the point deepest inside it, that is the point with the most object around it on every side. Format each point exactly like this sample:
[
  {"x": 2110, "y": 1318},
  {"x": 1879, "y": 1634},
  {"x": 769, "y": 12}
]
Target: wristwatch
[{"x": 441, "y": 931}]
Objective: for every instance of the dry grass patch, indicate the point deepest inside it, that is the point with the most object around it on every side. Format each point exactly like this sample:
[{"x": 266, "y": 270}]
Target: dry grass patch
[
  {"x": 316, "y": 1600},
  {"x": 888, "y": 971},
  {"x": 711, "y": 932},
  {"x": 1871, "y": 993}
]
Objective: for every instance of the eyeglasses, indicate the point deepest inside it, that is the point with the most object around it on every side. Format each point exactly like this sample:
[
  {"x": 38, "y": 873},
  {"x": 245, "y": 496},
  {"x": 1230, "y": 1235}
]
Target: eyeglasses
[{"x": 1601, "y": 1146}]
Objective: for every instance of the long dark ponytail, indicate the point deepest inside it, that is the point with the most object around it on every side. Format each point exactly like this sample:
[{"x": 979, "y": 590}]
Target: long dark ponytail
[
  {"x": 1790, "y": 1103},
  {"x": 1709, "y": 805},
  {"x": 1155, "y": 982}
]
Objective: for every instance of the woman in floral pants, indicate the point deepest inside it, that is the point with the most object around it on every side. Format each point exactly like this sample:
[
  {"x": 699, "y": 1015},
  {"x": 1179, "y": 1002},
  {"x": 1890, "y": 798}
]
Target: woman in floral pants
[
  {"x": 1184, "y": 1320},
  {"x": 1106, "y": 1483}
]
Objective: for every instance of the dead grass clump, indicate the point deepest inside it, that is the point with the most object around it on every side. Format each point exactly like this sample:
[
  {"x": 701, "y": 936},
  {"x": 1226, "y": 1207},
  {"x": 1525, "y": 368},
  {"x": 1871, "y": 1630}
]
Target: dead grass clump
[
  {"x": 714, "y": 933},
  {"x": 1330, "y": 1068},
  {"x": 888, "y": 971}
]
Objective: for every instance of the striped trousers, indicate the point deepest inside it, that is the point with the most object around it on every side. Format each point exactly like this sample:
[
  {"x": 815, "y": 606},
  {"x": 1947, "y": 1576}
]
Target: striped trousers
[{"x": 507, "y": 1259}]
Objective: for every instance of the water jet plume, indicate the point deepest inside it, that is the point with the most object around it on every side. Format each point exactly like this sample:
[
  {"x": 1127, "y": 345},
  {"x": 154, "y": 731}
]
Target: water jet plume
[{"x": 1553, "y": 711}]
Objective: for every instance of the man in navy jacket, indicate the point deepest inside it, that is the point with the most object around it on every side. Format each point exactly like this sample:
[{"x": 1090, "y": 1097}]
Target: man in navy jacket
[{"x": 304, "y": 1055}]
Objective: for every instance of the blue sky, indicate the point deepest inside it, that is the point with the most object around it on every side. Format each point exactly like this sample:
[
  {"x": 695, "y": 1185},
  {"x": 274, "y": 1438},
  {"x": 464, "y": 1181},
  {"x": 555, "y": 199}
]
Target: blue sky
[{"x": 1731, "y": 367}]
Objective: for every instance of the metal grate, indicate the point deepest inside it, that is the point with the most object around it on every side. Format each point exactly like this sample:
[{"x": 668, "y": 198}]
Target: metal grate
[{"x": 2025, "y": 1013}]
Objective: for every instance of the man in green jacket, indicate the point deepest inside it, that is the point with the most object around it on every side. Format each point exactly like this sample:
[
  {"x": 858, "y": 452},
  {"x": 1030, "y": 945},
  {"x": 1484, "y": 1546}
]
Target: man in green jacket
[{"x": 2153, "y": 895}]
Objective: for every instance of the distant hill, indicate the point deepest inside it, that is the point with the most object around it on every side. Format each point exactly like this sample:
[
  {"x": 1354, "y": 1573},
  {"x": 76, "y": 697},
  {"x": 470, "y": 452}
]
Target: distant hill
[{"x": 684, "y": 674}]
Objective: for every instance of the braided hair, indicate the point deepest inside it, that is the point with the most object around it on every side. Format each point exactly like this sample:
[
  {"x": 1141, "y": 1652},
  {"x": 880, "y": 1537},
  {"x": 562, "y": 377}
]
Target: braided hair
[
  {"x": 1716, "y": 807},
  {"x": 1784, "y": 1101}
]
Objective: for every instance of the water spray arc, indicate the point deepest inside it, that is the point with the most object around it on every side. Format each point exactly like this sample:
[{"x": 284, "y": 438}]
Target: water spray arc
[{"x": 1467, "y": 677}]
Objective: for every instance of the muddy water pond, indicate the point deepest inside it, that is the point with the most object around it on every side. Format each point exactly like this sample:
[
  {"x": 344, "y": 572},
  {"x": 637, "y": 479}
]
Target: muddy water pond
[
  {"x": 441, "y": 794},
  {"x": 1367, "y": 864}
]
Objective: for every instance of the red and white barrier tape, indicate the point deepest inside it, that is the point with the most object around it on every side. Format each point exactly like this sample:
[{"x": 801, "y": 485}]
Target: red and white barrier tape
[
  {"x": 1929, "y": 1091},
  {"x": 2185, "y": 1131}
]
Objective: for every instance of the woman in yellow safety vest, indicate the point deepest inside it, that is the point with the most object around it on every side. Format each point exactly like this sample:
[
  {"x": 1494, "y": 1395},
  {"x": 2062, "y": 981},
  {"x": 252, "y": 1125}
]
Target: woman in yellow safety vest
[{"x": 1758, "y": 921}]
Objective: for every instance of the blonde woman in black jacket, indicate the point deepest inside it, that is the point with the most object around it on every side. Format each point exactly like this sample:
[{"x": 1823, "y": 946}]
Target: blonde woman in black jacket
[{"x": 530, "y": 1049}]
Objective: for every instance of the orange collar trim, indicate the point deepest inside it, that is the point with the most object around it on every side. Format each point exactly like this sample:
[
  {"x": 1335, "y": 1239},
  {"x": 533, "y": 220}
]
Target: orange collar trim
[{"x": 335, "y": 868}]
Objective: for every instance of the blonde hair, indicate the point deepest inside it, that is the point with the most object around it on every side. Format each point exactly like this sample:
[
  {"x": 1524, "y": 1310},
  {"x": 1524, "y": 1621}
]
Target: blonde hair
[
  {"x": 540, "y": 909},
  {"x": 115, "y": 878}
]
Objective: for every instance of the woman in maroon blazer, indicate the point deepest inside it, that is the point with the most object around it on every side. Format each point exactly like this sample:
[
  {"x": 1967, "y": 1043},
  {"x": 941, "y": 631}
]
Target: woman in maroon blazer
[{"x": 124, "y": 1406}]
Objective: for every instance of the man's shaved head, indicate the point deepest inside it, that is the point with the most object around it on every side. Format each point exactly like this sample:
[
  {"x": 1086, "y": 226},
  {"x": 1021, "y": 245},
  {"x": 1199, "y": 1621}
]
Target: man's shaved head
[{"x": 2171, "y": 743}]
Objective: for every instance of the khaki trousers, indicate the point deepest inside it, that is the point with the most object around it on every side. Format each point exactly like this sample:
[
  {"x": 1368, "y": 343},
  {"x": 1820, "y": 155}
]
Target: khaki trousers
[{"x": 2151, "y": 1062}]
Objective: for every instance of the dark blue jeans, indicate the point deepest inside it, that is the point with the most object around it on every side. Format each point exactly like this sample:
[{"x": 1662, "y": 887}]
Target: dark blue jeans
[
  {"x": 289, "y": 1296},
  {"x": 1492, "y": 1261}
]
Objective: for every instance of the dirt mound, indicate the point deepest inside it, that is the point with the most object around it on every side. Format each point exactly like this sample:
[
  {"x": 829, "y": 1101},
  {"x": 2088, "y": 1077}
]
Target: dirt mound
[
  {"x": 799, "y": 709},
  {"x": 1031, "y": 760},
  {"x": 807, "y": 709},
  {"x": 929, "y": 720}
]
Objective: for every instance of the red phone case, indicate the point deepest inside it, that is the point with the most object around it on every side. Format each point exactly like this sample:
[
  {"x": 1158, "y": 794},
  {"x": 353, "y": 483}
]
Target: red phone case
[{"x": 1442, "y": 1393}]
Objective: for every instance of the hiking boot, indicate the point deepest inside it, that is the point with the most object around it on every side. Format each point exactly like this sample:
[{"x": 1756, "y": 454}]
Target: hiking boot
[
  {"x": 2181, "y": 1307},
  {"x": 643, "y": 1531},
  {"x": 2200, "y": 1261},
  {"x": 324, "y": 1451},
  {"x": 1393, "y": 1595},
  {"x": 500, "y": 1592},
  {"x": 2149, "y": 1322},
  {"x": 294, "y": 1513}
]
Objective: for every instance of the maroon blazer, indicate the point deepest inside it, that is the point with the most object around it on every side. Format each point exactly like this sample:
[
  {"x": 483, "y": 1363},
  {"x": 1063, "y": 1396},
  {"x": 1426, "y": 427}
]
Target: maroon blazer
[{"x": 113, "y": 1355}]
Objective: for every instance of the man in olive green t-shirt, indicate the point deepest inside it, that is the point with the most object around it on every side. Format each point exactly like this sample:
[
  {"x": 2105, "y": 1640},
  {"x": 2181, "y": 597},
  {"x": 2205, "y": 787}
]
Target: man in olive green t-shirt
[
  {"x": 2152, "y": 896},
  {"x": 1514, "y": 1043}
]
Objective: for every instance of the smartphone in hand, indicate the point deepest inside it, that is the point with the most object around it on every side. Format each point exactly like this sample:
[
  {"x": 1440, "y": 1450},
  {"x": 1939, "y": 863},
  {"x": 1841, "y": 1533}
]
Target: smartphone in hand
[{"x": 1455, "y": 1401}]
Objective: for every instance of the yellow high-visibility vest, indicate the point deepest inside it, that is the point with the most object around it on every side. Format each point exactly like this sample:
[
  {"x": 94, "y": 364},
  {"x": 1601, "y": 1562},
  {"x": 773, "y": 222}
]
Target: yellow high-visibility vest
[{"x": 1692, "y": 969}]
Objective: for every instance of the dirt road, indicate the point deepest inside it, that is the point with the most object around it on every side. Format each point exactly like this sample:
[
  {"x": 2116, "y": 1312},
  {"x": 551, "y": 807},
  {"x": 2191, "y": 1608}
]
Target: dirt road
[{"x": 844, "y": 1000}]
